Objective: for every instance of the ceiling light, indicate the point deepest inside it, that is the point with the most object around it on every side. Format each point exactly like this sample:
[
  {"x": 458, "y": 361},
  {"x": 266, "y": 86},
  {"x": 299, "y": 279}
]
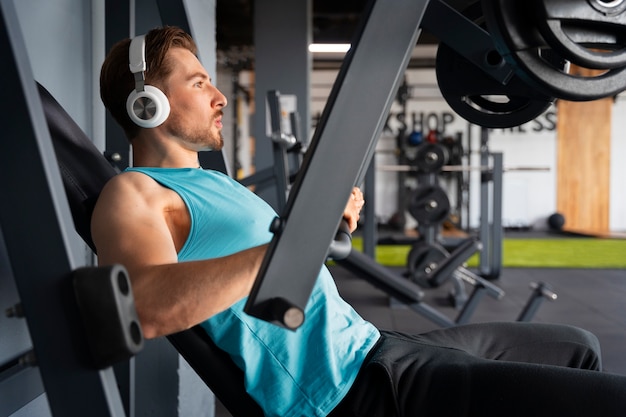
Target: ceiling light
[{"x": 329, "y": 47}]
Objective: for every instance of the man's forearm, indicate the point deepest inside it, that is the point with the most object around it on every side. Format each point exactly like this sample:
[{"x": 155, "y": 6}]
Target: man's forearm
[{"x": 174, "y": 297}]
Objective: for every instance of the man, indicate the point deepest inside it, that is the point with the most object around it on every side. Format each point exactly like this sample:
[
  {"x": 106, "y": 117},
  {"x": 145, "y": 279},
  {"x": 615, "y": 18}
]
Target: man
[{"x": 193, "y": 240}]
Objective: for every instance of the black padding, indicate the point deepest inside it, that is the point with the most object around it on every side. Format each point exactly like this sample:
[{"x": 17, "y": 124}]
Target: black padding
[
  {"x": 83, "y": 168},
  {"x": 108, "y": 311},
  {"x": 85, "y": 171},
  {"x": 217, "y": 370}
]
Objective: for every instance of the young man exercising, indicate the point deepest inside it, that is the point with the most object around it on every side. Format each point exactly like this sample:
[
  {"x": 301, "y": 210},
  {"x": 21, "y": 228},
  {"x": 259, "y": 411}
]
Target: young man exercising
[{"x": 193, "y": 240}]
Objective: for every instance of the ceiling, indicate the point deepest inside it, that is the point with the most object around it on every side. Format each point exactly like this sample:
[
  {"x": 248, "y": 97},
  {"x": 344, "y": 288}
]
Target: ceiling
[{"x": 334, "y": 21}]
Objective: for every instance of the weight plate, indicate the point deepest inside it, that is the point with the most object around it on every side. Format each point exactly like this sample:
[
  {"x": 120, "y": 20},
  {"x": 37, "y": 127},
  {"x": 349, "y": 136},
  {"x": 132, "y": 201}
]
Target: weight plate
[
  {"x": 455, "y": 149},
  {"x": 482, "y": 100},
  {"x": 479, "y": 98},
  {"x": 429, "y": 204},
  {"x": 519, "y": 41},
  {"x": 422, "y": 260},
  {"x": 430, "y": 157},
  {"x": 589, "y": 33}
]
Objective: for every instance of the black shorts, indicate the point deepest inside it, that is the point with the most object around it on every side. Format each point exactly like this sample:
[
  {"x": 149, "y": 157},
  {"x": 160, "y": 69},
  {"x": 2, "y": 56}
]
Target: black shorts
[{"x": 490, "y": 369}]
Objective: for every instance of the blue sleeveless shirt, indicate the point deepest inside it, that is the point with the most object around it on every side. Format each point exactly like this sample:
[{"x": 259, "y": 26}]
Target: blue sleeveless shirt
[{"x": 301, "y": 373}]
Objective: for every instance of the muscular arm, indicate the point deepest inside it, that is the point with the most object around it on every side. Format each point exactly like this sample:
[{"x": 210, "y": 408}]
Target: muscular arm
[{"x": 130, "y": 227}]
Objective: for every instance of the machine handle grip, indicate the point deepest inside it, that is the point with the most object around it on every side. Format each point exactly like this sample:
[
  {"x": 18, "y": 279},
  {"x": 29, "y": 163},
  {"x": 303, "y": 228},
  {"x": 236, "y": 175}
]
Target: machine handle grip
[{"x": 341, "y": 246}]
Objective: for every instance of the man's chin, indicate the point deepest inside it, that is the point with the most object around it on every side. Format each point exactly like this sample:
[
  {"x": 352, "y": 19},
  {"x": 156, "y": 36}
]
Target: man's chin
[
  {"x": 216, "y": 147},
  {"x": 213, "y": 147}
]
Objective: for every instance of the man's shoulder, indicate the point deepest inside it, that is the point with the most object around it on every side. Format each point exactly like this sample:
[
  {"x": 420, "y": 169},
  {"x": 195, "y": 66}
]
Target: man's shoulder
[
  {"x": 130, "y": 181},
  {"x": 131, "y": 186}
]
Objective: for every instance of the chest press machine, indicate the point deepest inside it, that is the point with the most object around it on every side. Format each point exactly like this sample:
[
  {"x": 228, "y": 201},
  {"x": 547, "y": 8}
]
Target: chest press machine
[{"x": 36, "y": 209}]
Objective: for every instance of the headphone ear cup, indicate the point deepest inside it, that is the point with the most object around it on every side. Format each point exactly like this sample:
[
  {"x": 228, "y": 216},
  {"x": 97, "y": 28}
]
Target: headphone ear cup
[{"x": 148, "y": 108}]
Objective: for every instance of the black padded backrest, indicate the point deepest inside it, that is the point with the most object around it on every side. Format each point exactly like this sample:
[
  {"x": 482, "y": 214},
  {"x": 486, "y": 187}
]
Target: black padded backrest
[
  {"x": 84, "y": 171},
  {"x": 83, "y": 168}
]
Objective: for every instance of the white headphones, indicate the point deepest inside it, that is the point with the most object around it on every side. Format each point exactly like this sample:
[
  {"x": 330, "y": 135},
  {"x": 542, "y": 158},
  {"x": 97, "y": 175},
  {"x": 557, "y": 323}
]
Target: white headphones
[{"x": 147, "y": 106}]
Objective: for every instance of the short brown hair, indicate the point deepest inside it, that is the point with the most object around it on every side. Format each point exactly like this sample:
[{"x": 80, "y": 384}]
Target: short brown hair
[{"x": 117, "y": 82}]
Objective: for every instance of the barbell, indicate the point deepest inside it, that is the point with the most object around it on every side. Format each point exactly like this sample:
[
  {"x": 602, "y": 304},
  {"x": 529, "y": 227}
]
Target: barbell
[{"x": 461, "y": 168}]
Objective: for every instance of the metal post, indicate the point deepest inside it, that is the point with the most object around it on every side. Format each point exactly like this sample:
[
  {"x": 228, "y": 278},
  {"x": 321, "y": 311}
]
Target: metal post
[
  {"x": 490, "y": 210},
  {"x": 280, "y": 144},
  {"x": 117, "y": 27},
  {"x": 496, "y": 217},
  {"x": 484, "y": 235},
  {"x": 369, "y": 228}
]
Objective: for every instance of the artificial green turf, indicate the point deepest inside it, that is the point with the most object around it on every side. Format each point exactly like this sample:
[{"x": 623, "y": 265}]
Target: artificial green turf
[{"x": 533, "y": 253}]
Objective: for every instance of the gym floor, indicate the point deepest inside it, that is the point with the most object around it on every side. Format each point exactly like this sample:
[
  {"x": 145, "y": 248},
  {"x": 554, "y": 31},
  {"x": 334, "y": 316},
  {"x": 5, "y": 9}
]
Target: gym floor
[{"x": 594, "y": 299}]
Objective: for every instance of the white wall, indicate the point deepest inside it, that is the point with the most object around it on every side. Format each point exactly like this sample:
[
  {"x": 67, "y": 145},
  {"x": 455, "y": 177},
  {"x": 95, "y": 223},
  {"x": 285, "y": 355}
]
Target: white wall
[{"x": 528, "y": 196}]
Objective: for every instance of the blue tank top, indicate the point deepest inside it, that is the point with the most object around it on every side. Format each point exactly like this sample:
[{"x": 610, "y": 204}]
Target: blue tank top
[{"x": 289, "y": 373}]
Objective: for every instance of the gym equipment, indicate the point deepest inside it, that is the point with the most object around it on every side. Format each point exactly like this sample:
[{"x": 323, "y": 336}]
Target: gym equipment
[
  {"x": 518, "y": 39},
  {"x": 147, "y": 106},
  {"x": 398, "y": 220},
  {"x": 107, "y": 308},
  {"x": 429, "y": 264},
  {"x": 460, "y": 168},
  {"x": 431, "y": 157},
  {"x": 556, "y": 221},
  {"x": 429, "y": 204},
  {"x": 490, "y": 230},
  {"x": 541, "y": 291},
  {"x": 283, "y": 144},
  {"x": 587, "y": 33},
  {"x": 480, "y": 98}
]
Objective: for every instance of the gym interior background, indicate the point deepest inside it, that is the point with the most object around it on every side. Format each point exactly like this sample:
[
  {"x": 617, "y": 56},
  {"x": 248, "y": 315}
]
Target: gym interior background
[{"x": 558, "y": 162}]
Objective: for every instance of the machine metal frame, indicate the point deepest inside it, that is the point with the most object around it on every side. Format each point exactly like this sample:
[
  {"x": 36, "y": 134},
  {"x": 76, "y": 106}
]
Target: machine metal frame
[{"x": 35, "y": 209}]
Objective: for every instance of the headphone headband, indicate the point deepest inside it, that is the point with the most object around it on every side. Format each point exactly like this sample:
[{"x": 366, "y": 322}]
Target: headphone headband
[
  {"x": 137, "y": 60},
  {"x": 146, "y": 105}
]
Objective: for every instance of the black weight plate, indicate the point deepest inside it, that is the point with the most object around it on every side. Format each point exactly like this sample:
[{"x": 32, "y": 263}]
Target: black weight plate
[
  {"x": 429, "y": 204},
  {"x": 430, "y": 157},
  {"x": 482, "y": 100},
  {"x": 589, "y": 33},
  {"x": 454, "y": 148},
  {"x": 519, "y": 41},
  {"x": 421, "y": 260}
]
